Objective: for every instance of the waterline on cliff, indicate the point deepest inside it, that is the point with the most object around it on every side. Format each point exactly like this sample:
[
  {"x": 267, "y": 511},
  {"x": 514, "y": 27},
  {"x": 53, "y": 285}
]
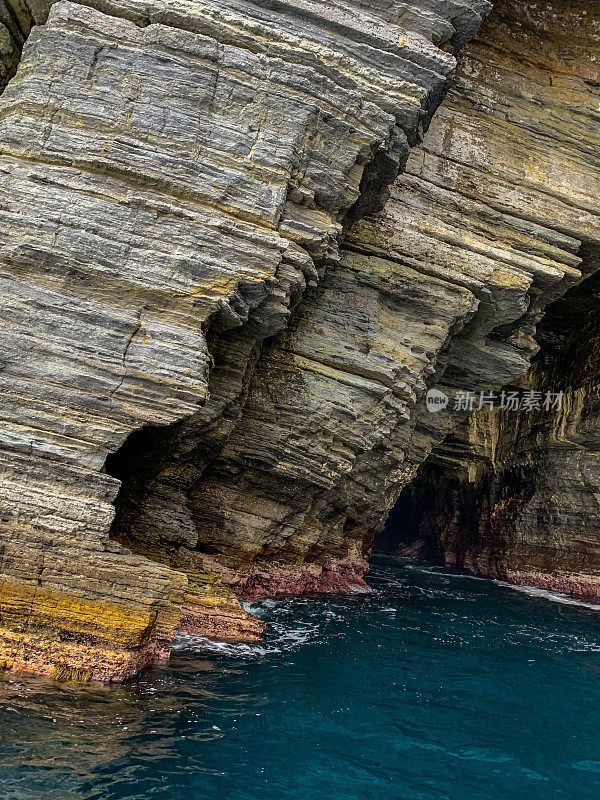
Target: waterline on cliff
[{"x": 532, "y": 591}]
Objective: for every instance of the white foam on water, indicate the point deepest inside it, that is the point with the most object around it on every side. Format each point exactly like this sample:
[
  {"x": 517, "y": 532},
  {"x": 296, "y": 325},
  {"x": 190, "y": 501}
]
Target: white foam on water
[
  {"x": 546, "y": 594},
  {"x": 532, "y": 591},
  {"x": 442, "y": 571},
  {"x": 202, "y": 644},
  {"x": 262, "y": 608},
  {"x": 280, "y": 638}
]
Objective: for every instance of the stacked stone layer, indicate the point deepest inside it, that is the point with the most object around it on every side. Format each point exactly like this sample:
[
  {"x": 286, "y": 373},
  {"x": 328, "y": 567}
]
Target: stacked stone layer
[
  {"x": 514, "y": 494},
  {"x": 216, "y": 324},
  {"x": 192, "y": 167},
  {"x": 492, "y": 219}
]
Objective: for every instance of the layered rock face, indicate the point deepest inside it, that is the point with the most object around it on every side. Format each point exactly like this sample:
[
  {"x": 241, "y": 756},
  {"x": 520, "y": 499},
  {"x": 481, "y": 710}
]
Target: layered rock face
[
  {"x": 516, "y": 495},
  {"x": 218, "y": 333},
  {"x": 493, "y": 218},
  {"x": 513, "y": 494},
  {"x": 176, "y": 177}
]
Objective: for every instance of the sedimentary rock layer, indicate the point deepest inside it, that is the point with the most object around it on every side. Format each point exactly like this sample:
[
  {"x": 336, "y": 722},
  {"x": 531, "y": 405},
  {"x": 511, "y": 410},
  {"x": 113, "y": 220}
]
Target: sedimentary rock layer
[
  {"x": 491, "y": 221},
  {"x": 213, "y": 321},
  {"x": 174, "y": 176},
  {"x": 515, "y": 495}
]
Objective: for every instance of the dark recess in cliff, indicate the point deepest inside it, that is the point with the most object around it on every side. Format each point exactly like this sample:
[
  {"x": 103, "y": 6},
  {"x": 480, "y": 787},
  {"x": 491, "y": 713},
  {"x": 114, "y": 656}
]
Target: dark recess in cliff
[{"x": 514, "y": 500}]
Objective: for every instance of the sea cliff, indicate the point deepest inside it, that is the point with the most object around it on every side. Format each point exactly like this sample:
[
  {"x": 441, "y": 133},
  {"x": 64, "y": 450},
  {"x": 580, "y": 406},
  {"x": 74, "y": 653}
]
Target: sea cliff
[{"x": 239, "y": 243}]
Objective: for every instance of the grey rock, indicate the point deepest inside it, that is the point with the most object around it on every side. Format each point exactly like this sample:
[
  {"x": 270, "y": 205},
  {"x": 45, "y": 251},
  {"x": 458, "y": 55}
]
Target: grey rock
[{"x": 174, "y": 176}]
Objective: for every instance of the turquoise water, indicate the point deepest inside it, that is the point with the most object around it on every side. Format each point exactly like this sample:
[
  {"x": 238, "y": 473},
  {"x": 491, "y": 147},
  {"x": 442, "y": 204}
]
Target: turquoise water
[{"x": 435, "y": 687}]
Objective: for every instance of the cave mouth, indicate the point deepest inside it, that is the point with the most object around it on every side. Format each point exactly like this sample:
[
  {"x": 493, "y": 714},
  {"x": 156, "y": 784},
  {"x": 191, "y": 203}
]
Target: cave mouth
[
  {"x": 445, "y": 512},
  {"x": 136, "y": 464},
  {"x": 406, "y": 531}
]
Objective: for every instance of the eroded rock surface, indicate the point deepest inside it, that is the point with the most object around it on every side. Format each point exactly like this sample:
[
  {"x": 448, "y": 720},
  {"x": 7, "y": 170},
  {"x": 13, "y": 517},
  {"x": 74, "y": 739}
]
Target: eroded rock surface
[
  {"x": 174, "y": 176},
  {"x": 517, "y": 494},
  {"x": 493, "y": 218},
  {"x": 216, "y": 322},
  {"x": 514, "y": 494}
]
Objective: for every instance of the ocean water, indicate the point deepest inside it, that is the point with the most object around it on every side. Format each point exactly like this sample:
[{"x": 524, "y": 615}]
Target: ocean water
[{"x": 435, "y": 687}]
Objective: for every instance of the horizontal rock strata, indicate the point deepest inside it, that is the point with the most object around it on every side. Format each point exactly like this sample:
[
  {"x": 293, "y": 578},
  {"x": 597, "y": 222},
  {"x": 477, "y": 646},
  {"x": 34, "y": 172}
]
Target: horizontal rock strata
[
  {"x": 516, "y": 495},
  {"x": 492, "y": 220},
  {"x": 192, "y": 167},
  {"x": 218, "y": 335},
  {"x": 512, "y": 494}
]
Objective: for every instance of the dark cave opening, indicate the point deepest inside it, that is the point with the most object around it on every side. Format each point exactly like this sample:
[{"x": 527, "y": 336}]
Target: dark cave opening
[
  {"x": 158, "y": 465},
  {"x": 401, "y": 527},
  {"x": 462, "y": 501},
  {"x": 135, "y": 463},
  {"x": 406, "y": 532}
]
